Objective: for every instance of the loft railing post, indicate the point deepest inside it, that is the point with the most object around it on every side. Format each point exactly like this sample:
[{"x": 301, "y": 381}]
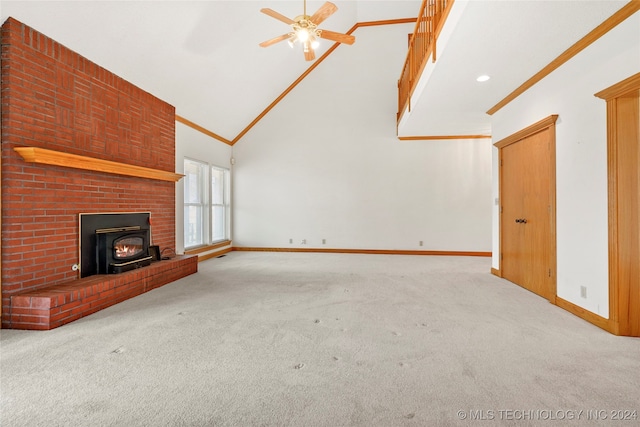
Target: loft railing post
[
  {"x": 399, "y": 100},
  {"x": 411, "y": 65},
  {"x": 434, "y": 24}
]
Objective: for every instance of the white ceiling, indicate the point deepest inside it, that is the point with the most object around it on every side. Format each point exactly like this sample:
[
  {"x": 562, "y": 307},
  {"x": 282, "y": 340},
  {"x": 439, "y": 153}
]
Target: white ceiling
[{"x": 203, "y": 56}]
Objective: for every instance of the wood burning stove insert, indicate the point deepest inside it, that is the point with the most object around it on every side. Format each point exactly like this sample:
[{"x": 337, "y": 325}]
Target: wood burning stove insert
[
  {"x": 113, "y": 243},
  {"x": 122, "y": 249}
]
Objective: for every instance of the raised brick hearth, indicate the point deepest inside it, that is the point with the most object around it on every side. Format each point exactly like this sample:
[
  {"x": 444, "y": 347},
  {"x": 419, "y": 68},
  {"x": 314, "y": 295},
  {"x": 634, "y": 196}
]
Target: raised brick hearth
[
  {"x": 54, "y": 100},
  {"x": 53, "y": 306}
]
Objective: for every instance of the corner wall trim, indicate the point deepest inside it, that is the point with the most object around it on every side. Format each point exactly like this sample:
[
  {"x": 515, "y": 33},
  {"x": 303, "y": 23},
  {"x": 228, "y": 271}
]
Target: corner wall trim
[
  {"x": 201, "y": 129},
  {"x": 496, "y": 272}
]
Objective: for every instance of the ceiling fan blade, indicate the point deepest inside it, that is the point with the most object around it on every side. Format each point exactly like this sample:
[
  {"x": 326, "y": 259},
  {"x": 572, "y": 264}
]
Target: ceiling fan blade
[
  {"x": 323, "y": 13},
  {"x": 272, "y": 13},
  {"x": 337, "y": 37},
  {"x": 274, "y": 40},
  {"x": 309, "y": 54}
]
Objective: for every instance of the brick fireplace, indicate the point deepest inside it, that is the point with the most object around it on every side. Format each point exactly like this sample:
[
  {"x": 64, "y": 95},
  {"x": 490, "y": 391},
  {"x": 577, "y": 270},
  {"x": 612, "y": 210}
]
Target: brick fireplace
[{"x": 56, "y": 101}]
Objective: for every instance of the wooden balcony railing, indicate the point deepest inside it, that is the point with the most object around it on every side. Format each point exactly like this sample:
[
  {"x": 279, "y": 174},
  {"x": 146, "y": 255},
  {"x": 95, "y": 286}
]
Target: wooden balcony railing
[{"x": 422, "y": 45}]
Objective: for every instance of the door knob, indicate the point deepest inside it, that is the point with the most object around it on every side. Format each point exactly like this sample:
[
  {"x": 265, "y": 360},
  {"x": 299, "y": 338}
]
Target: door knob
[
  {"x": 524, "y": 221},
  {"x": 517, "y": 220}
]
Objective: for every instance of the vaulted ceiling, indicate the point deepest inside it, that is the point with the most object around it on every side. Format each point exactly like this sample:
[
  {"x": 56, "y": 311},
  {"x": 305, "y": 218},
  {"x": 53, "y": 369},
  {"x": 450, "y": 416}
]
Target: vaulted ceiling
[
  {"x": 509, "y": 41},
  {"x": 203, "y": 56}
]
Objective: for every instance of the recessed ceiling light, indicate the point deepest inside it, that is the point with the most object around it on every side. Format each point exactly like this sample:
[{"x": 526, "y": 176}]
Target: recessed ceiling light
[{"x": 483, "y": 78}]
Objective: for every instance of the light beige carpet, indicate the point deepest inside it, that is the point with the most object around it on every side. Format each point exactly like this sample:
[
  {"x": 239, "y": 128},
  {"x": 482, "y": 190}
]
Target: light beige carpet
[{"x": 294, "y": 339}]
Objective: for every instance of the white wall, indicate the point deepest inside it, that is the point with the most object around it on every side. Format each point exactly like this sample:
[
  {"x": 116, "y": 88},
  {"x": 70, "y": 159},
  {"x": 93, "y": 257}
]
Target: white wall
[
  {"x": 325, "y": 163},
  {"x": 581, "y": 156},
  {"x": 197, "y": 146}
]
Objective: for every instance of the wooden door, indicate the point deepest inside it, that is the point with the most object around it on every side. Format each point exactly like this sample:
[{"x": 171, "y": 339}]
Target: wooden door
[
  {"x": 512, "y": 265},
  {"x": 527, "y": 201}
]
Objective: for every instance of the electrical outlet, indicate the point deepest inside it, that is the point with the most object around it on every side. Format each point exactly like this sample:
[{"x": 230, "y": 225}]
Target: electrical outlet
[
  {"x": 304, "y": 242},
  {"x": 290, "y": 240},
  {"x": 324, "y": 241},
  {"x": 420, "y": 243},
  {"x": 583, "y": 291}
]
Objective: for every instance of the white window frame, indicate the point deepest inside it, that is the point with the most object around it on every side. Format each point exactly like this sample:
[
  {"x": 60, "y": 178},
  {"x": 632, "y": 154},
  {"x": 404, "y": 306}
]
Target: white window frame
[
  {"x": 222, "y": 204},
  {"x": 207, "y": 203}
]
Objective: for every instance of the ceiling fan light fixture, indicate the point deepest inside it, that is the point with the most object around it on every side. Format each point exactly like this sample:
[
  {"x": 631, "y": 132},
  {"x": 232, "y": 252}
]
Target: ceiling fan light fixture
[{"x": 304, "y": 29}]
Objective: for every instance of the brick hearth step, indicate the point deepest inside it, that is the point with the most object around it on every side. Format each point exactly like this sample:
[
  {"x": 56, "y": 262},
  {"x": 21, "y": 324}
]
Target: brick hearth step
[{"x": 56, "y": 305}]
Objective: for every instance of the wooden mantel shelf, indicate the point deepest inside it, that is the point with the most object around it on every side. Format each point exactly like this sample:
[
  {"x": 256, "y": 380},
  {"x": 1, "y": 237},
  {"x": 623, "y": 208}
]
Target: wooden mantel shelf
[{"x": 58, "y": 158}]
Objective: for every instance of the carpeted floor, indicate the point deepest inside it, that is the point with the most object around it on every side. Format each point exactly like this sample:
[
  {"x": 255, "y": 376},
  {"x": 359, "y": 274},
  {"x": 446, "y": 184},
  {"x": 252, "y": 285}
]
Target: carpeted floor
[{"x": 295, "y": 339}]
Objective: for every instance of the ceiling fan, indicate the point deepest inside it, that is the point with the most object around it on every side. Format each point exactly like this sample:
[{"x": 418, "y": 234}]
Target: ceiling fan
[{"x": 304, "y": 29}]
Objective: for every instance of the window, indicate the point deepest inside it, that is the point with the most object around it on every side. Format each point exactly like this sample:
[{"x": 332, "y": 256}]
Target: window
[
  {"x": 206, "y": 204},
  {"x": 219, "y": 206}
]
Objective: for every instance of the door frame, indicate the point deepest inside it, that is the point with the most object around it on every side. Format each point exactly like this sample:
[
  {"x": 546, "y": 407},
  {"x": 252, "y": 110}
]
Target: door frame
[
  {"x": 622, "y": 293},
  {"x": 546, "y": 123}
]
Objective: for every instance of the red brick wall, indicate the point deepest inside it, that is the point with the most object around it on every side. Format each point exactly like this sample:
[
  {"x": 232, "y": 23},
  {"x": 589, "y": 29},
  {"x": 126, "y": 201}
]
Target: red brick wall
[{"x": 54, "y": 98}]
